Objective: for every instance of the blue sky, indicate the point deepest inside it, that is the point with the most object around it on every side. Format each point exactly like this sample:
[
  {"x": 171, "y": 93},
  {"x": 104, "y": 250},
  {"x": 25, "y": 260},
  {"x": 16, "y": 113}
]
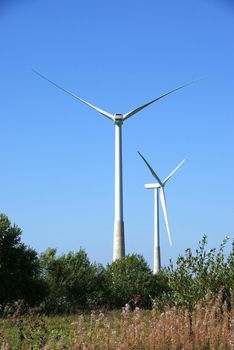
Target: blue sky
[{"x": 57, "y": 155}]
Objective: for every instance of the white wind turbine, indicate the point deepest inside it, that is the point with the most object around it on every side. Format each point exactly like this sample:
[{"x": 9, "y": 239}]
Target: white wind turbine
[
  {"x": 159, "y": 185},
  {"x": 118, "y": 119}
]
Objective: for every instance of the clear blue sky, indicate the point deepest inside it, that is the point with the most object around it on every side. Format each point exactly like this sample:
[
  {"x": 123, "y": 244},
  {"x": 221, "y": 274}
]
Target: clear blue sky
[{"x": 57, "y": 155}]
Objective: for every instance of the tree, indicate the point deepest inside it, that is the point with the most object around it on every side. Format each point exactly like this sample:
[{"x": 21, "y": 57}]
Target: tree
[
  {"x": 132, "y": 276},
  {"x": 197, "y": 274},
  {"x": 74, "y": 283},
  {"x": 19, "y": 267}
]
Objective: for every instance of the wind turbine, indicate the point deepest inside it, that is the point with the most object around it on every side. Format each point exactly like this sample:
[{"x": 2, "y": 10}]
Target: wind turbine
[
  {"x": 118, "y": 119},
  {"x": 159, "y": 186}
]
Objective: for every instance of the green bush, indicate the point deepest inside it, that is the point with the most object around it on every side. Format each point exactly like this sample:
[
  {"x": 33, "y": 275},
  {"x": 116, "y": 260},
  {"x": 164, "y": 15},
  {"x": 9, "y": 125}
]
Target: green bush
[
  {"x": 19, "y": 268},
  {"x": 132, "y": 276},
  {"x": 196, "y": 275},
  {"x": 73, "y": 282},
  {"x": 70, "y": 282}
]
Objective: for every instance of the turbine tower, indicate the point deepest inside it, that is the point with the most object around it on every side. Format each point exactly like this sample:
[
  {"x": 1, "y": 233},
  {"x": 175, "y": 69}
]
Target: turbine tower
[
  {"x": 159, "y": 186},
  {"x": 118, "y": 119}
]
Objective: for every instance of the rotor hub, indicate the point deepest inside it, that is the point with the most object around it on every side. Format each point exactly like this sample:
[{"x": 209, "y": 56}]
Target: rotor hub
[{"x": 118, "y": 119}]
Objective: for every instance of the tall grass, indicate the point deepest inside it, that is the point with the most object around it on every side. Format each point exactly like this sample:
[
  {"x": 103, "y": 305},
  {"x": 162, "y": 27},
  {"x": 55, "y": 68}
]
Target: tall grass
[{"x": 209, "y": 326}]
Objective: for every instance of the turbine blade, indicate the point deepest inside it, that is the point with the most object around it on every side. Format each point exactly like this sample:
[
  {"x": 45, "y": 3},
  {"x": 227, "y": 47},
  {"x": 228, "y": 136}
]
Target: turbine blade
[
  {"x": 99, "y": 110},
  {"x": 134, "y": 111},
  {"x": 163, "y": 203},
  {"x": 151, "y": 170},
  {"x": 168, "y": 177}
]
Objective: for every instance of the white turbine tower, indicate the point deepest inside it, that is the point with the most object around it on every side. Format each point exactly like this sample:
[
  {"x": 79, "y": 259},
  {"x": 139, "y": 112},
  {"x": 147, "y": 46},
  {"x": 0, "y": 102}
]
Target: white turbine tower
[
  {"x": 159, "y": 185},
  {"x": 118, "y": 119}
]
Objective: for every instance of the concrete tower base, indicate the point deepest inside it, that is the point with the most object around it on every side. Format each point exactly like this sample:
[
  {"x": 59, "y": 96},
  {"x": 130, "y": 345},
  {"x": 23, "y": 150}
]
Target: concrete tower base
[
  {"x": 119, "y": 246},
  {"x": 157, "y": 260}
]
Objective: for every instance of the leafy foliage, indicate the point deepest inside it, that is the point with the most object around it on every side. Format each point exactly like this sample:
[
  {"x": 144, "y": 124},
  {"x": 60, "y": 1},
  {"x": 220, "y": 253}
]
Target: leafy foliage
[
  {"x": 19, "y": 267},
  {"x": 73, "y": 282},
  {"x": 70, "y": 282},
  {"x": 131, "y": 276},
  {"x": 196, "y": 275}
]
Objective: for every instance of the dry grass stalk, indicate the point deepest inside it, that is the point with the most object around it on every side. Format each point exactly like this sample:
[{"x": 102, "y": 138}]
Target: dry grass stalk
[{"x": 209, "y": 327}]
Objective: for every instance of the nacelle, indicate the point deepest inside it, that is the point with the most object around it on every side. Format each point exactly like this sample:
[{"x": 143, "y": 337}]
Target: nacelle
[
  {"x": 118, "y": 118},
  {"x": 148, "y": 186}
]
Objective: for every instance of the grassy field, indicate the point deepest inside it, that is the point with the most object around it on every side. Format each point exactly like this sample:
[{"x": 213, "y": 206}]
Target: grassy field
[{"x": 210, "y": 326}]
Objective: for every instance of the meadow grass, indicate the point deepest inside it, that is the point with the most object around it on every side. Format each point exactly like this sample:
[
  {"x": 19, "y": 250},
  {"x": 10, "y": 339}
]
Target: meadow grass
[{"x": 209, "y": 326}]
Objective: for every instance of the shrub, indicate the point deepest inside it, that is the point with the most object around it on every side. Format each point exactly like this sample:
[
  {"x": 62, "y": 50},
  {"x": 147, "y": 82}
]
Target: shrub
[
  {"x": 196, "y": 275},
  {"x": 19, "y": 268}
]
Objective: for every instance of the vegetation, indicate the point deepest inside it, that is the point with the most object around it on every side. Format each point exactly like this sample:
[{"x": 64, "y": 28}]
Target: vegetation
[
  {"x": 19, "y": 268},
  {"x": 73, "y": 283},
  {"x": 188, "y": 305},
  {"x": 196, "y": 275},
  {"x": 210, "y": 326}
]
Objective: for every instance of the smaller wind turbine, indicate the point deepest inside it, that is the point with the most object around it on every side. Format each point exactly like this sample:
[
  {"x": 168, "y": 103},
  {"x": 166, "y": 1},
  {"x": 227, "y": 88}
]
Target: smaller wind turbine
[{"x": 156, "y": 186}]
